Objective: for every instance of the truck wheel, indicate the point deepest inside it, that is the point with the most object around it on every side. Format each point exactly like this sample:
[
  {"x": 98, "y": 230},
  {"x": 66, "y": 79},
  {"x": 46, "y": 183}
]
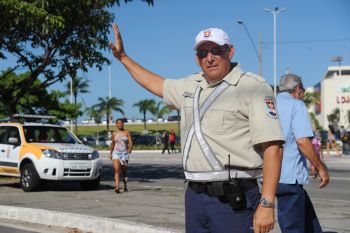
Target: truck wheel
[
  {"x": 30, "y": 179},
  {"x": 90, "y": 184}
]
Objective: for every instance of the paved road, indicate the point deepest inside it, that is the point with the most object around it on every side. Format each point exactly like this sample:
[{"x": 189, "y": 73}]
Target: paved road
[{"x": 156, "y": 196}]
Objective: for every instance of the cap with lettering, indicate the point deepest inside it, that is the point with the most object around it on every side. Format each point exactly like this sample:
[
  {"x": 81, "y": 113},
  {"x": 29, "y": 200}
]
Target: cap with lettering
[{"x": 215, "y": 35}]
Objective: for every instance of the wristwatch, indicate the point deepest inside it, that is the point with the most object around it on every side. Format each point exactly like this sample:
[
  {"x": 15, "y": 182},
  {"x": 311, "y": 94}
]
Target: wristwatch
[{"x": 264, "y": 202}]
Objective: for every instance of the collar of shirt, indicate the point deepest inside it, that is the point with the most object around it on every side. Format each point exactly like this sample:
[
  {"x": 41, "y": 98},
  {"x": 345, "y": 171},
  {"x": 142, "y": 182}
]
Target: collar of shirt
[{"x": 231, "y": 78}]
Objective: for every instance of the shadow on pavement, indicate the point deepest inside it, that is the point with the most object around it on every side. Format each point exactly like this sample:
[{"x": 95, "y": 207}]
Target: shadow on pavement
[{"x": 144, "y": 173}]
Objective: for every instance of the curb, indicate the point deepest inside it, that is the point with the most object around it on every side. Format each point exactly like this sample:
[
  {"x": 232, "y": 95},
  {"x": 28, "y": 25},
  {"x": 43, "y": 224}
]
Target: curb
[{"x": 82, "y": 222}]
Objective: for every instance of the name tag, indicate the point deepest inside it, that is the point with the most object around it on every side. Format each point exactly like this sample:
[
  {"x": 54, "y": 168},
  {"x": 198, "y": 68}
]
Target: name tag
[{"x": 188, "y": 94}]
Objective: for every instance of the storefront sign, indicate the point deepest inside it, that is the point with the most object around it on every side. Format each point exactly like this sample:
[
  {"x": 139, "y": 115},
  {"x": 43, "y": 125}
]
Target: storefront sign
[{"x": 344, "y": 99}]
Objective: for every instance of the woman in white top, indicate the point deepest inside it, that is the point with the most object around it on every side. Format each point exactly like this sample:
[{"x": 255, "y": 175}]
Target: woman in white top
[{"x": 120, "y": 147}]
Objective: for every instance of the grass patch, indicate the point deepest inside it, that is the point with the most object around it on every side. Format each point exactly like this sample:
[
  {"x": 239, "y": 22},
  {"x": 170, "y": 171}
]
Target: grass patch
[{"x": 101, "y": 130}]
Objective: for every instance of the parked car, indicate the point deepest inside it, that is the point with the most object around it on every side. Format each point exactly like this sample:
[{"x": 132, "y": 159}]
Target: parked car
[{"x": 174, "y": 118}]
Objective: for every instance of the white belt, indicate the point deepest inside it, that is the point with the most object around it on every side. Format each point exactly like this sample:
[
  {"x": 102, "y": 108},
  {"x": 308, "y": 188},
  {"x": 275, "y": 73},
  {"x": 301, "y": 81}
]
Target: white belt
[{"x": 222, "y": 175}]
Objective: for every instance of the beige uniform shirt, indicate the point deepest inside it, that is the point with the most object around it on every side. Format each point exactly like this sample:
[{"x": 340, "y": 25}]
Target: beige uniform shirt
[{"x": 242, "y": 117}]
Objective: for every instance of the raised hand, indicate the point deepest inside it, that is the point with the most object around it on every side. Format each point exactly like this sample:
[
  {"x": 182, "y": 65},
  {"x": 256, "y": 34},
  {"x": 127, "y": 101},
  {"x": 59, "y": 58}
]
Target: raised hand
[{"x": 117, "y": 47}]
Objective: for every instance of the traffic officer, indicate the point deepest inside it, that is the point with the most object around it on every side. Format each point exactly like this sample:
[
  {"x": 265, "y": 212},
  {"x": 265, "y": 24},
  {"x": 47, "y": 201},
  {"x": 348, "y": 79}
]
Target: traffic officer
[{"x": 229, "y": 130}]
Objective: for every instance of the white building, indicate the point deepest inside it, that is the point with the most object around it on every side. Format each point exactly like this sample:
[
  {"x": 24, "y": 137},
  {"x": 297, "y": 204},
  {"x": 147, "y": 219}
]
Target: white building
[{"x": 334, "y": 93}]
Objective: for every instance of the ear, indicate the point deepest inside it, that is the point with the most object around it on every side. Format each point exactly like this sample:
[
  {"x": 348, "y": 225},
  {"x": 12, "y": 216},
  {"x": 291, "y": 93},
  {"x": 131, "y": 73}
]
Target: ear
[
  {"x": 197, "y": 60},
  {"x": 231, "y": 52}
]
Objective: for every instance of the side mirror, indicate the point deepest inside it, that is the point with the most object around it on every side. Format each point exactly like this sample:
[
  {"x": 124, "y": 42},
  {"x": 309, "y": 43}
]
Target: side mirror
[
  {"x": 13, "y": 141},
  {"x": 84, "y": 141}
]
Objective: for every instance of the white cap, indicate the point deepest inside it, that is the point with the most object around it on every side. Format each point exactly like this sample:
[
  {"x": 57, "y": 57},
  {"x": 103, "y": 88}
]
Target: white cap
[{"x": 215, "y": 35}]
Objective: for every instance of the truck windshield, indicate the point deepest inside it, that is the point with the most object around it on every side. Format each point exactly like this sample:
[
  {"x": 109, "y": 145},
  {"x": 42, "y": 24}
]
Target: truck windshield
[{"x": 48, "y": 134}]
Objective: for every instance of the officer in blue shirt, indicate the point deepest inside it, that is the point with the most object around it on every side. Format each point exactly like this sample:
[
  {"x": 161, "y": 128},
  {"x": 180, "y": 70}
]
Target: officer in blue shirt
[{"x": 295, "y": 210}]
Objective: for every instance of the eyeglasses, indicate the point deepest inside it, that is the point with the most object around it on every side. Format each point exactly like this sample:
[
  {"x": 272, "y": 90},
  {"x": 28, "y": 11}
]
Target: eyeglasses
[{"x": 217, "y": 51}]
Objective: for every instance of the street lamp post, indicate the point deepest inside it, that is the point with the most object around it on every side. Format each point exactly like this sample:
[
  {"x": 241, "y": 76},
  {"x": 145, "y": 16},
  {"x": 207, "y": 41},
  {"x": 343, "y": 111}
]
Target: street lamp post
[
  {"x": 251, "y": 41},
  {"x": 274, "y": 11}
]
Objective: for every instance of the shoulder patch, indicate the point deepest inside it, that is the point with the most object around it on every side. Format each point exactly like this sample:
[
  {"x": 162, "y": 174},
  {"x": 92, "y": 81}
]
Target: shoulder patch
[
  {"x": 270, "y": 107},
  {"x": 255, "y": 76}
]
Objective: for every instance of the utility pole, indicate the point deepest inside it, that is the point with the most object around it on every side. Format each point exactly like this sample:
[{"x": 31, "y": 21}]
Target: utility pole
[{"x": 274, "y": 11}]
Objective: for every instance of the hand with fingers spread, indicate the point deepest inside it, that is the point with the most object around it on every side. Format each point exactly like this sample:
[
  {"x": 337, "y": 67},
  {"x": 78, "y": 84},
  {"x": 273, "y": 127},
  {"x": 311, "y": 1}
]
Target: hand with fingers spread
[{"x": 117, "y": 47}]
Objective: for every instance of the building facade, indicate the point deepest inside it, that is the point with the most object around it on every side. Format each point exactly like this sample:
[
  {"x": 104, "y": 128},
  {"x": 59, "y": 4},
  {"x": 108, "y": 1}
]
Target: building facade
[{"x": 334, "y": 92}]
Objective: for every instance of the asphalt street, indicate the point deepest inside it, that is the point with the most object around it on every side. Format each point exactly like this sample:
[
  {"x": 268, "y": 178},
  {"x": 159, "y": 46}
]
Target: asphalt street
[{"x": 154, "y": 203}]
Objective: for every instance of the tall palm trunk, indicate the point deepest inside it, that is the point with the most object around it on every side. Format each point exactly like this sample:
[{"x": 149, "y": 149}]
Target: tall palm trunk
[{"x": 144, "y": 120}]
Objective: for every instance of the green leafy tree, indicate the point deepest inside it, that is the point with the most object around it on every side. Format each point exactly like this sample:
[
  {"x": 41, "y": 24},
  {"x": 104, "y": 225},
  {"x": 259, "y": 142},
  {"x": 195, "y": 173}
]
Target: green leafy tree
[
  {"x": 93, "y": 113},
  {"x": 35, "y": 100},
  {"x": 160, "y": 110},
  {"x": 311, "y": 98},
  {"x": 334, "y": 117},
  {"x": 106, "y": 106},
  {"x": 52, "y": 39},
  {"x": 147, "y": 105},
  {"x": 79, "y": 86}
]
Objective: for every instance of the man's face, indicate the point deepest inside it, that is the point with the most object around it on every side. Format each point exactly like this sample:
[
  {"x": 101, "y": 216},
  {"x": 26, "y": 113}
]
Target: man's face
[{"x": 214, "y": 67}]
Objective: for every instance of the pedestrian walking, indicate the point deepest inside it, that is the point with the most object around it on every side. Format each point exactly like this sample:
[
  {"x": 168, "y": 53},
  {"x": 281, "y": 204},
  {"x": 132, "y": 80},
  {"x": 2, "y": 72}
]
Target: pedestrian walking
[
  {"x": 165, "y": 139},
  {"x": 295, "y": 210},
  {"x": 230, "y": 136},
  {"x": 316, "y": 143},
  {"x": 120, "y": 148},
  {"x": 172, "y": 140},
  {"x": 331, "y": 142}
]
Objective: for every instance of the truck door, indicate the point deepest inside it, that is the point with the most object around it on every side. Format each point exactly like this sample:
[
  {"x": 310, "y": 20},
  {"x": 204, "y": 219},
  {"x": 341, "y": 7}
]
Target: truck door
[{"x": 10, "y": 142}]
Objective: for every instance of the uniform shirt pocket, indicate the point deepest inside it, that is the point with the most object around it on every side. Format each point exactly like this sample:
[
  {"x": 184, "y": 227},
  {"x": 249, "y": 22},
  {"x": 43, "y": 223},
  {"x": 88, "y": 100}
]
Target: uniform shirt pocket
[{"x": 219, "y": 121}]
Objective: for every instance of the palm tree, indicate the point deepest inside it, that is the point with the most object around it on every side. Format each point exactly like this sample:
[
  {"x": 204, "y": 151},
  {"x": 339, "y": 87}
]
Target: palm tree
[
  {"x": 79, "y": 86},
  {"x": 147, "y": 105},
  {"x": 93, "y": 113},
  {"x": 311, "y": 98},
  {"x": 160, "y": 110},
  {"x": 106, "y": 106}
]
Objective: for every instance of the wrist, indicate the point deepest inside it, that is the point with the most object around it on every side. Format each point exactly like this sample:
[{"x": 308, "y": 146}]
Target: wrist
[{"x": 266, "y": 203}]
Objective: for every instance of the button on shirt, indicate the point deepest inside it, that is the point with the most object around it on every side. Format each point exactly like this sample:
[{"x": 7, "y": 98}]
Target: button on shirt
[{"x": 296, "y": 124}]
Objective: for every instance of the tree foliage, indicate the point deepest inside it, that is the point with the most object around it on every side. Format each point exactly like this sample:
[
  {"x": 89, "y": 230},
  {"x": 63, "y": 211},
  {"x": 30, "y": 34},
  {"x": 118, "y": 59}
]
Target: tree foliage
[
  {"x": 146, "y": 105},
  {"x": 334, "y": 117},
  {"x": 77, "y": 85},
  {"x": 52, "y": 39},
  {"x": 35, "y": 100},
  {"x": 106, "y": 106}
]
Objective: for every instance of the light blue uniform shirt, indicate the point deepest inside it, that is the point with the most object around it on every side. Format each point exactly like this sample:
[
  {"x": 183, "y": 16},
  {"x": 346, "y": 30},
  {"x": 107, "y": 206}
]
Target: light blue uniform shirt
[{"x": 295, "y": 124}]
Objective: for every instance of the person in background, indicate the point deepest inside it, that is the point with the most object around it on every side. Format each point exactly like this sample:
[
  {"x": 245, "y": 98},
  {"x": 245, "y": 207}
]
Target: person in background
[
  {"x": 295, "y": 210},
  {"x": 230, "y": 136},
  {"x": 331, "y": 143},
  {"x": 120, "y": 148},
  {"x": 165, "y": 139},
  {"x": 172, "y": 140},
  {"x": 316, "y": 143},
  {"x": 344, "y": 137}
]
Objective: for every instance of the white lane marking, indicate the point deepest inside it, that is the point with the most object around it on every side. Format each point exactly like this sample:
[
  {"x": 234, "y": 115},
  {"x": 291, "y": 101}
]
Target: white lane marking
[
  {"x": 340, "y": 178},
  {"x": 334, "y": 200}
]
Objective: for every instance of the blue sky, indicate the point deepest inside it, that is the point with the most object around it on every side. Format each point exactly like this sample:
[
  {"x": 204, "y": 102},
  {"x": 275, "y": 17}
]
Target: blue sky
[{"x": 161, "y": 38}]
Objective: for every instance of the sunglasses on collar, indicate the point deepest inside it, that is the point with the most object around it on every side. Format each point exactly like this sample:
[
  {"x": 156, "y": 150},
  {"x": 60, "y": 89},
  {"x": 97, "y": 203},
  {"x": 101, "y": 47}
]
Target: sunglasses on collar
[{"x": 217, "y": 51}]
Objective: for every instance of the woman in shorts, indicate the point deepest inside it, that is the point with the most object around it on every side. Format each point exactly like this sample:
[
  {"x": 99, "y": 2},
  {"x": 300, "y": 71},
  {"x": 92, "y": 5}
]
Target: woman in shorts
[
  {"x": 331, "y": 143},
  {"x": 121, "y": 147}
]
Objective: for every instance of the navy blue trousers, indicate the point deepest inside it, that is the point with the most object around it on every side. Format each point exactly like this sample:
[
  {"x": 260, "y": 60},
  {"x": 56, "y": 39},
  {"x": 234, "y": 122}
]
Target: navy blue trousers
[
  {"x": 296, "y": 213},
  {"x": 204, "y": 214}
]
